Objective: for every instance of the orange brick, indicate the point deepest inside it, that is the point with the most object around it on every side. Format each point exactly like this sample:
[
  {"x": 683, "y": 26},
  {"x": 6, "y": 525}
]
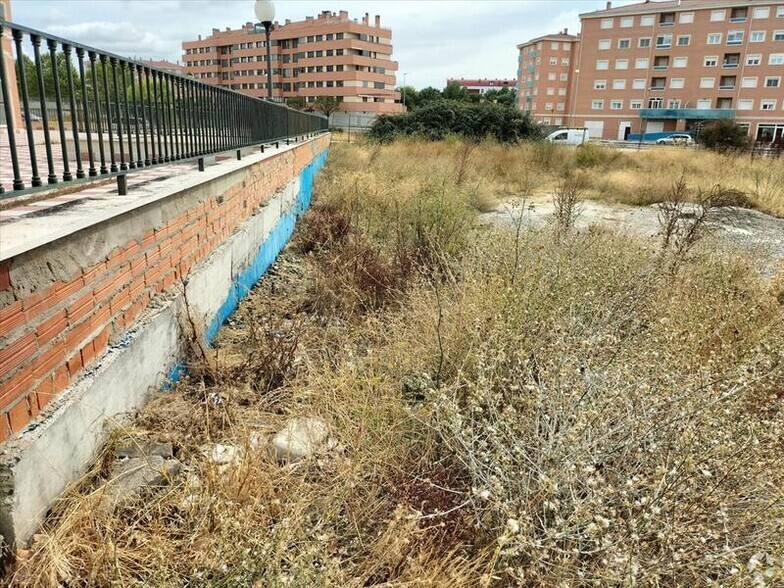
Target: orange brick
[
  {"x": 13, "y": 354},
  {"x": 61, "y": 378},
  {"x": 115, "y": 259},
  {"x": 88, "y": 353},
  {"x": 109, "y": 286},
  {"x": 153, "y": 256},
  {"x": 63, "y": 290},
  {"x": 44, "y": 392},
  {"x": 91, "y": 274},
  {"x": 152, "y": 276},
  {"x": 101, "y": 342},
  {"x": 74, "y": 365},
  {"x": 131, "y": 251},
  {"x": 17, "y": 385},
  {"x": 101, "y": 317},
  {"x": 46, "y": 362},
  {"x": 120, "y": 300},
  {"x": 19, "y": 415},
  {"x": 32, "y": 405},
  {"x": 148, "y": 239},
  {"x": 81, "y": 308},
  {"x": 136, "y": 288},
  {"x": 51, "y": 327},
  {"x": 76, "y": 337},
  {"x": 11, "y": 317},
  {"x": 138, "y": 266},
  {"x": 5, "y": 428},
  {"x": 5, "y": 276}
]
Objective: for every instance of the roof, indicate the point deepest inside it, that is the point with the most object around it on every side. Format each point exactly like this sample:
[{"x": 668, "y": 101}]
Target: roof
[
  {"x": 163, "y": 64},
  {"x": 553, "y": 37},
  {"x": 498, "y": 82},
  {"x": 654, "y": 6}
]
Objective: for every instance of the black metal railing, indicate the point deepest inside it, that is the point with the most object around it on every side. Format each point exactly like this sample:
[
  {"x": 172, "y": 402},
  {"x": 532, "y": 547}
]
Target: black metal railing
[{"x": 89, "y": 114}]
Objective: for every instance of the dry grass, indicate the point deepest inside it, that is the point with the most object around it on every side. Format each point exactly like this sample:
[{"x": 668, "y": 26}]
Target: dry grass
[{"x": 535, "y": 408}]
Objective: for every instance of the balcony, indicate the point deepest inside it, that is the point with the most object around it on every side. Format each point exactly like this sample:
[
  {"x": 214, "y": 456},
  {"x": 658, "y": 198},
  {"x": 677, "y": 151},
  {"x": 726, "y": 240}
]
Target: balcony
[
  {"x": 726, "y": 87},
  {"x": 687, "y": 113}
]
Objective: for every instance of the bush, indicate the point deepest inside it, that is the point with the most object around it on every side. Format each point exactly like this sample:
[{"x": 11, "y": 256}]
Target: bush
[
  {"x": 724, "y": 136},
  {"x": 446, "y": 117}
]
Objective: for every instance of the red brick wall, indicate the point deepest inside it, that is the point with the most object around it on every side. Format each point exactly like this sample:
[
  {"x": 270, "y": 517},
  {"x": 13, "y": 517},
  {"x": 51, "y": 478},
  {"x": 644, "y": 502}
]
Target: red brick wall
[{"x": 49, "y": 336}]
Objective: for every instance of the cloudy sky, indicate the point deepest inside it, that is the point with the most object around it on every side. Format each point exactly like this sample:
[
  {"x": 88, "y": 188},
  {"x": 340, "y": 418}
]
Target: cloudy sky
[{"x": 433, "y": 39}]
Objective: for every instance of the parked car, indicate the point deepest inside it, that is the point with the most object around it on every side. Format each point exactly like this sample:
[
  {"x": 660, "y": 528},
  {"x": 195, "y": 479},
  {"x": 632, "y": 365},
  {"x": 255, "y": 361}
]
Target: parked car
[
  {"x": 569, "y": 137},
  {"x": 33, "y": 117},
  {"x": 676, "y": 139}
]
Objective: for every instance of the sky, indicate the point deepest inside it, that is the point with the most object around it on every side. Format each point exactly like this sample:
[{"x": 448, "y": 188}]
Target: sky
[{"x": 433, "y": 39}]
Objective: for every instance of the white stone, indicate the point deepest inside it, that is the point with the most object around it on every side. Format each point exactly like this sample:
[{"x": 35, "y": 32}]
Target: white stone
[{"x": 301, "y": 437}]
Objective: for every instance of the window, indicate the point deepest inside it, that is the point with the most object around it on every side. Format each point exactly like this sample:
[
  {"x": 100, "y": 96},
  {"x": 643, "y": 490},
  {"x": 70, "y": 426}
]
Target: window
[
  {"x": 562, "y": 91},
  {"x": 563, "y": 77},
  {"x": 624, "y": 43},
  {"x": 673, "y": 103},
  {"x": 753, "y": 60},
  {"x": 769, "y": 104},
  {"x": 703, "y": 104},
  {"x": 607, "y": 23},
  {"x": 602, "y": 64},
  {"x": 727, "y": 83},
  {"x": 635, "y": 104},
  {"x": 619, "y": 84},
  {"x": 748, "y": 83},
  {"x": 707, "y": 82},
  {"x": 638, "y": 84},
  {"x": 780, "y": 12},
  {"x": 646, "y": 20},
  {"x": 561, "y": 106},
  {"x": 621, "y": 64},
  {"x": 641, "y": 63},
  {"x": 548, "y": 106},
  {"x": 680, "y": 62},
  {"x": 600, "y": 85},
  {"x": 776, "y": 59},
  {"x": 757, "y": 37},
  {"x": 644, "y": 42},
  {"x": 663, "y": 41},
  {"x": 553, "y": 61},
  {"x": 773, "y": 82},
  {"x": 551, "y": 91},
  {"x": 746, "y": 104},
  {"x": 711, "y": 61},
  {"x": 666, "y": 19},
  {"x": 554, "y": 46},
  {"x": 684, "y": 40},
  {"x": 677, "y": 83},
  {"x": 718, "y": 15},
  {"x": 658, "y": 83},
  {"x": 714, "y": 39},
  {"x": 686, "y": 18},
  {"x": 735, "y": 38},
  {"x": 655, "y": 102},
  {"x": 627, "y": 22},
  {"x": 762, "y": 12},
  {"x": 616, "y": 104},
  {"x": 565, "y": 62},
  {"x": 551, "y": 76},
  {"x": 597, "y": 105},
  {"x": 605, "y": 44},
  {"x": 778, "y": 35}
]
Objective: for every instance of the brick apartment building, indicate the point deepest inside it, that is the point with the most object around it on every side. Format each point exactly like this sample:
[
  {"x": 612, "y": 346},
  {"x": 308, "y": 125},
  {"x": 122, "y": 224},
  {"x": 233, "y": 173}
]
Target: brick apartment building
[
  {"x": 482, "y": 86},
  {"x": 662, "y": 66},
  {"x": 330, "y": 55}
]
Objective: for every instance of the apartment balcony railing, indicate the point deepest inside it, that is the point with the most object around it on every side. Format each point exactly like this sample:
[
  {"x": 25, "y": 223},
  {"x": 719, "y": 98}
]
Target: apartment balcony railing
[
  {"x": 112, "y": 115},
  {"x": 686, "y": 113}
]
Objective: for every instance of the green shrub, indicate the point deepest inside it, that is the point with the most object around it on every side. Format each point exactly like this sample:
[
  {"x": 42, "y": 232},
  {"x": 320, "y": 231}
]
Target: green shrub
[
  {"x": 724, "y": 136},
  {"x": 446, "y": 117}
]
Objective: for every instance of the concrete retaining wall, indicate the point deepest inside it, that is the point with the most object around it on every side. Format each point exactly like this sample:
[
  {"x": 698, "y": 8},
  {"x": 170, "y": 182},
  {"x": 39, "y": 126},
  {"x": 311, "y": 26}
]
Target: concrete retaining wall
[{"x": 89, "y": 323}]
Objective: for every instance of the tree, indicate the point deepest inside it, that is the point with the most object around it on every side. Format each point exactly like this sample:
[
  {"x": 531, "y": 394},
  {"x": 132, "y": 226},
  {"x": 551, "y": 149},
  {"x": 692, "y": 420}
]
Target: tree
[
  {"x": 296, "y": 102},
  {"x": 31, "y": 76},
  {"x": 455, "y": 91},
  {"x": 504, "y": 96},
  {"x": 724, "y": 136},
  {"x": 409, "y": 96},
  {"x": 326, "y": 104},
  {"x": 428, "y": 95}
]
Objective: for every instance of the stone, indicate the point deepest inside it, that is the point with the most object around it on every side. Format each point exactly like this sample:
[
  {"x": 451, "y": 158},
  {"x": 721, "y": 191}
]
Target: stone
[
  {"x": 133, "y": 447},
  {"x": 300, "y": 438},
  {"x": 131, "y": 476}
]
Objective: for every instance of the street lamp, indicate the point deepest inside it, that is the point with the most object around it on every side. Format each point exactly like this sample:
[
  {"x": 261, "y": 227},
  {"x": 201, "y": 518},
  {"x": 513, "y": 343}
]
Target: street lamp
[
  {"x": 265, "y": 13},
  {"x": 404, "y": 88}
]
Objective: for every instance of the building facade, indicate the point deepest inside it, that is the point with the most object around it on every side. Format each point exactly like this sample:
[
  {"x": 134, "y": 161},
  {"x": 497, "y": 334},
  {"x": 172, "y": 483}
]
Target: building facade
[
  {"x": 544, "y": 73},
  {"x": 329, "y": 55},
  {"x": 482, "y": 86},
  {"x": 664, "y": 66}
]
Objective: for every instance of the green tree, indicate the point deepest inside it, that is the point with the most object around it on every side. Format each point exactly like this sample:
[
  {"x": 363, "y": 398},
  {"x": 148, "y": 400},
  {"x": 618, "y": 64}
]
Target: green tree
[
  {"x": 409, "y": 96},
  {"x": 724, "y": 136},
  {"x": 31, "y": 76},
  {"x": 455, "y": 91},
  {"x": 502, "y": 96},
  {"x": 326, "y": 104},
  {"x": 428, "y": 96},
  {"x": 296, "y": 102}
]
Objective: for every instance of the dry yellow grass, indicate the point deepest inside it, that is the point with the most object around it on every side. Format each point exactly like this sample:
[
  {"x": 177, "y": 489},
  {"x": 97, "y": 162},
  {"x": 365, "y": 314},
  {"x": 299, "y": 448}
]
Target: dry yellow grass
[{"x": 516, "y": 409}]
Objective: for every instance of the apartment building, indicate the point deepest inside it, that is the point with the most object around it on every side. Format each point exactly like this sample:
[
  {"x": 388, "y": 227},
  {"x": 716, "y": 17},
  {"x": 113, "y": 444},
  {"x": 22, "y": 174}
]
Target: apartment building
[
  {"x": 544, "y": 73},
  {"x": 663, "y": 66},
  {"x": 329, "y": 55},
  {"x": 482, "y": 86}
]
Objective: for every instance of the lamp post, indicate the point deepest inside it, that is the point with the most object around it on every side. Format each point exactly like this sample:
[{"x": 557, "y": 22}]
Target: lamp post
[
  {"x": 265, "y": 13},
  {"x": 404, "y": 88}
]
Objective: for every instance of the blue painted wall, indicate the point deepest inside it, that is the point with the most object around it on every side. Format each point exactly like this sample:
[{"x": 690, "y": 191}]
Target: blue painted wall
[{"x": 268, "y": 252}]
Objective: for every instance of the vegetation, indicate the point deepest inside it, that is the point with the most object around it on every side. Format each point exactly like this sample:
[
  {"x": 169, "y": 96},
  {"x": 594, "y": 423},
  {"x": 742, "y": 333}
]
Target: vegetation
[
  {"x": 446, "y": 117},
  {"x": 513, "y": 408},
  {"x": 453, "y": 91},
  {"x": 724, "y": 136},
  {"x": 326, "y": 105}
]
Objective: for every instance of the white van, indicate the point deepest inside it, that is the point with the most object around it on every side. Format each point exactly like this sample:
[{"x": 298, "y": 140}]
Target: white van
[{"x": 569, "y": 136}]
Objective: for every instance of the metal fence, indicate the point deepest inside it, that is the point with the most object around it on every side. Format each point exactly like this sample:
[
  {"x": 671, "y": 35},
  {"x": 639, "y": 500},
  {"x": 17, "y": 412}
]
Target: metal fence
[{"x": 101, "y": 114}]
